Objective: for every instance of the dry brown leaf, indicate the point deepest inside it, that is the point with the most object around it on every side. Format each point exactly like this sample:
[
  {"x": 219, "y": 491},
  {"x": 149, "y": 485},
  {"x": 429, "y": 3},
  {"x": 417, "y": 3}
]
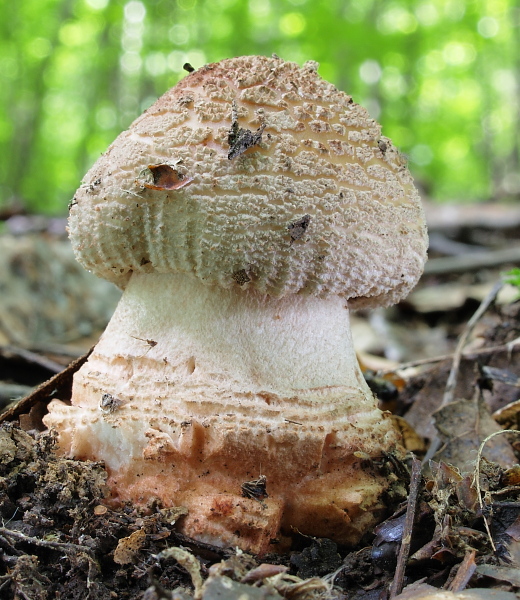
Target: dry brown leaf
[
  {"x": 173, "y": 513},
  {"x": 462, "y": 426},
  {"x": 411, "y": 439},
  {"x": 128, "y": 547}
]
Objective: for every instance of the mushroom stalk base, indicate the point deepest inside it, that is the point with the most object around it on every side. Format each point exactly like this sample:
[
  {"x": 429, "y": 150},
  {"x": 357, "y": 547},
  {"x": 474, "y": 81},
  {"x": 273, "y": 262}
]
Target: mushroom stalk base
[{"x": 195, "y": 393}]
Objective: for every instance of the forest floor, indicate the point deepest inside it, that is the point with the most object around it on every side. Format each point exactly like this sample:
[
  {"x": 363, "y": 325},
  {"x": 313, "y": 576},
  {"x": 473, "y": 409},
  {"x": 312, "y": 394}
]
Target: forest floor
[{"x": 446, "y": 363}]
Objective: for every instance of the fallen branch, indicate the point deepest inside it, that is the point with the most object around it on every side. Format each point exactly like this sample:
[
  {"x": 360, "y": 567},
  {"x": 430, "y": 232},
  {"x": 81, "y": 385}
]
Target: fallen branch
[
  {"x": 472, "y": 262},
  {"x": 404, "y": 550}
]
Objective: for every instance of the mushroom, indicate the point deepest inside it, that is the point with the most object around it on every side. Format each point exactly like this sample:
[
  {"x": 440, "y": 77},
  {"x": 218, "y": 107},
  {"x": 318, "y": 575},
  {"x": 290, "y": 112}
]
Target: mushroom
[{"x": 244, "y": 214}]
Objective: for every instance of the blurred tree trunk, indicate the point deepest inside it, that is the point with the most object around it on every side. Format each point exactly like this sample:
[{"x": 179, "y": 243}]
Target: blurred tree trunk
[{"x": 27, "y": 100}]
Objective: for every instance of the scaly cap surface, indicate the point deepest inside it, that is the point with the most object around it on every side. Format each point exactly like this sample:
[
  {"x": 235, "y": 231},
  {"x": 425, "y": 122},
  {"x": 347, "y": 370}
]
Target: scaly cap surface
[{"x": 255, "y": 173}]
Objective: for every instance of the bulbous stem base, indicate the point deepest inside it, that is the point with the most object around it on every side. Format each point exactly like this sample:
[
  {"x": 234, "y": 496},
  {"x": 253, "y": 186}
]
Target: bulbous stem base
[{"x": 195, "y": 394}]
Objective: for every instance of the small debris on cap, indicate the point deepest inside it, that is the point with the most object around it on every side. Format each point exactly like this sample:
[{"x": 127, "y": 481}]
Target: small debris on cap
[
  {"x": 109, "y": 403},
  {"x": 241, "y": 277},
  {"x": 256, "y": 488},
  {"x": 165, "y": 177},
  {"x": 241, "y": 139},
  {"x": 299, "y": 227}
]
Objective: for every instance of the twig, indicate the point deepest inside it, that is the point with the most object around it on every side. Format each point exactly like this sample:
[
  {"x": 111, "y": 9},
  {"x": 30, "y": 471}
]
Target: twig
[
  {"x": 31, "y": 358},
  {"x": 476, "y": 479},
  {"x": 457, "y": 356},
  {"x": 190, "y": 563},
  {"x": 464, "y": 573},
  {"x": 452, "y": 378},
  {"x": 441, "y": 358},
  {"x": 471, "y": 262},
  {"x": 65, "y": 547},
  {"x": 59, "y": 385},
  {"x": 441, "y": 243},
  {"x": 58, "y": 349},
  {"x": 404, "y": 550}
]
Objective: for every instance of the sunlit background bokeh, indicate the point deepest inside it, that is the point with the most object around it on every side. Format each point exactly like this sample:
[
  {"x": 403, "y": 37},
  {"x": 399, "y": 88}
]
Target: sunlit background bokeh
[{"x": 442, "y": 76}]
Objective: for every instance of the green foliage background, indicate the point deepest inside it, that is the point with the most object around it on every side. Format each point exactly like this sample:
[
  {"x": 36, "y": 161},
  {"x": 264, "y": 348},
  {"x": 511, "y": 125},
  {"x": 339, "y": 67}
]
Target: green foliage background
[{"x": 443, "y": 77}]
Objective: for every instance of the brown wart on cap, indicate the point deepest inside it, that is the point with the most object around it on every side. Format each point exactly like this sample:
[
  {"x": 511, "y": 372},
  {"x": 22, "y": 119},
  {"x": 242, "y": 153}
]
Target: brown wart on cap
[{"x": 243, "y": 280}]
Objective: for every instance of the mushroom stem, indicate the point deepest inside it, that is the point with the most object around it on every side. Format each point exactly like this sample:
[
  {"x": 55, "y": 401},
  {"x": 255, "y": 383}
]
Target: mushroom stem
[
  {"x": 209, "y": 337},
  {"x": 232, "y": 385}
]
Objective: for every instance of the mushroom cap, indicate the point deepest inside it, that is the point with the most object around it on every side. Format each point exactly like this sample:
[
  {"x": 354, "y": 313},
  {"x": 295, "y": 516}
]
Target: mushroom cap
[{"x": 255, "y": 173}]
